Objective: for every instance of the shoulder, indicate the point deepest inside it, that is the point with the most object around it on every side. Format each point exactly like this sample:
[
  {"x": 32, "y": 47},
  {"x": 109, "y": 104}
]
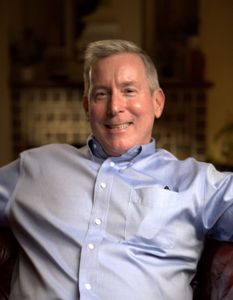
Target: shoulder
[
  {"x": 46, "y": 149},
  {"x": 188, "y": 164},
  {"x": 49, "y": 151},
  {"x": 48, "y": 156},
  {"x": 184, "y": 171}
]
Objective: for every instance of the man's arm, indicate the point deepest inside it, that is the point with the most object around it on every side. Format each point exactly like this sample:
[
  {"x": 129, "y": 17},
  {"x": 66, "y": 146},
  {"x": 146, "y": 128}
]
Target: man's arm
[
  {"x": 218, "y": 209},
  {"x": 9, "y": 175}
]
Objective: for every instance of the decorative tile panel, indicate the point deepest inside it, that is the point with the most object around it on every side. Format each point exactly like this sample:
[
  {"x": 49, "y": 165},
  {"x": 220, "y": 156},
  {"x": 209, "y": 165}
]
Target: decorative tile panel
[
  {"x": 55, "y": 115},
  {"x": 182, "y": 127},
  {"x": 42, "y": 116}
]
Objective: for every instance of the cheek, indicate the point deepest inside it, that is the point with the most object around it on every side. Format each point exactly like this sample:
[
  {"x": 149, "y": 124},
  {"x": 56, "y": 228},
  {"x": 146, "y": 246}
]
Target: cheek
[
  {"x": 96, "y": 110},
  {"x": 137, "y": 106},
  {"x": 142, "y": 108}
]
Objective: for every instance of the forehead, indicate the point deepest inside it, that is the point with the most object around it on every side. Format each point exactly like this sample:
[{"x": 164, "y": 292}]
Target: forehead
[{"x": 121, "y": 63}]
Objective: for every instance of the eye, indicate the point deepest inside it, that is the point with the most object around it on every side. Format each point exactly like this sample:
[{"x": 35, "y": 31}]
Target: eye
[
  {"x": 129, "y": 91},
  {"x": 100, "y": 94}
]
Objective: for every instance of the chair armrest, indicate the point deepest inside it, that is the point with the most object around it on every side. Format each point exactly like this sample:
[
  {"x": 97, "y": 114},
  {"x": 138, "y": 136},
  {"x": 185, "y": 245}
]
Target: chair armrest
[
  {"x": 8, "y": 254},
  {"x": 214, "y": 279}
]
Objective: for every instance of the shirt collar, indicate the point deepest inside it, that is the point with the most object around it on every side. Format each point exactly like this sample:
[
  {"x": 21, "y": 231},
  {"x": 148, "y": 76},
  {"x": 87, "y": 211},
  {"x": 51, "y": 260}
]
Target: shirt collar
[{"x": 134, "y": 153}]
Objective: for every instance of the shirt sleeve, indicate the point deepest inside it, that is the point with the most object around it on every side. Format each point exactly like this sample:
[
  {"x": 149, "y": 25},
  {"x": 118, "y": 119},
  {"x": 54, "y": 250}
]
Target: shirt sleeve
[
  {"x": 9, "y": 176},
  {"x": 218, "y": 209}
]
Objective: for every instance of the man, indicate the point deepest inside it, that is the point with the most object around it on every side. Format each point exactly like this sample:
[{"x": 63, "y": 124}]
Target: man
[{"x": 118, "y": 218}]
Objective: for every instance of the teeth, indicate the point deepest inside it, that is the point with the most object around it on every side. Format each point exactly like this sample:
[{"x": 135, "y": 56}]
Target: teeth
[{"x": 120, "y": 126}]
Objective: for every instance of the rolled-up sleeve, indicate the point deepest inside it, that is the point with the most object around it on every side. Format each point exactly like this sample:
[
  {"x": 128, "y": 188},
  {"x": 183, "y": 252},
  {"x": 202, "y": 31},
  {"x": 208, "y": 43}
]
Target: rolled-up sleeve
[{"x": 218, "y": 211}]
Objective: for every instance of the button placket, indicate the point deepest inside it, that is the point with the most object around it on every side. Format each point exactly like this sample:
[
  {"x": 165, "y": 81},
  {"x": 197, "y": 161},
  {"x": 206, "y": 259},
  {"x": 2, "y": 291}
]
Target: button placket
[{"x": 96, "y": 229}]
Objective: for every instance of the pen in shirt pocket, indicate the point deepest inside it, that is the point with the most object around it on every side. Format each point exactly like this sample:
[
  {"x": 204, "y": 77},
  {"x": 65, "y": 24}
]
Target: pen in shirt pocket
[{"x": 166, "y": 187}]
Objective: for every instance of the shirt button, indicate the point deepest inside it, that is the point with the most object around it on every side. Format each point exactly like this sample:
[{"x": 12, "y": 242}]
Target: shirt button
[
  {"x": 88, "y": 286},
  {"x": 112, "y": 164},
  {"x": 91, "y": 246},
  {"x": 103, "y": 185},
  {"x": 98, "y": 221}
]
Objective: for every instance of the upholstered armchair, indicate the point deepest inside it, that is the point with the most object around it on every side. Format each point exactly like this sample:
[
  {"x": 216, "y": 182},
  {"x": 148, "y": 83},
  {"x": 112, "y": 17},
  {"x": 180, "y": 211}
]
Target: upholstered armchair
[
  {"x": 214, "y": 278},
  {"x": 8, "y": 255},
  {"x": 213, "y": 281}
]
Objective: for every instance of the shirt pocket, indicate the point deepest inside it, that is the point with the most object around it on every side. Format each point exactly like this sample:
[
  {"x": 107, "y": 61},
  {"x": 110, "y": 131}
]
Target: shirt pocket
[{"x": 151, "y": 217}]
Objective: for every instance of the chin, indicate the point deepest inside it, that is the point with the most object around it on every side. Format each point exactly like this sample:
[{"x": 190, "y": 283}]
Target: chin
[{"x": 118, "y": 150}]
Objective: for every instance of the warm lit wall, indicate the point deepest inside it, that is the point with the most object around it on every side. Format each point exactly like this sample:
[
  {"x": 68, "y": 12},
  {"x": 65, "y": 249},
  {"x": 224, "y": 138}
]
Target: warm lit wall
[
  {"x": 5, "y": 129},
  {"x": 217, "y": 42},
  {"x": 128, "y": 17},
  {"x": 216, "y": 19}
]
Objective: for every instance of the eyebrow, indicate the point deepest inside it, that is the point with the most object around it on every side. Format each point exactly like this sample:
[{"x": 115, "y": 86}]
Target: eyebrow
[
  {"x": 122, "y": 85},
  {"x": 99, "y": 87},
  {"x": 127, "y": 83}
]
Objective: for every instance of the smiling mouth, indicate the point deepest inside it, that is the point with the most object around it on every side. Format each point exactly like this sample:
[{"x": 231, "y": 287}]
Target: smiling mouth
[{"x": 119, "y": 126}]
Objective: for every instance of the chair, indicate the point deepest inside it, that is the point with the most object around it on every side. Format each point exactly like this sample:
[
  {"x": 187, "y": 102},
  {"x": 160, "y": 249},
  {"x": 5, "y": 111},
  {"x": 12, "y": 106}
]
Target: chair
[
  {"x": 214, "y": 277},
  {"x": 8, "y": 255}
]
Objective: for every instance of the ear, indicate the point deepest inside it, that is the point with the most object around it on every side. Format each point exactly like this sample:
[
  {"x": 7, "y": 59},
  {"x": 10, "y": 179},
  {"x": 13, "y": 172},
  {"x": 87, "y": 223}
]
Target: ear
[
  {"x": 159, "y": 101},
  {"x": 85, "y": 104}
]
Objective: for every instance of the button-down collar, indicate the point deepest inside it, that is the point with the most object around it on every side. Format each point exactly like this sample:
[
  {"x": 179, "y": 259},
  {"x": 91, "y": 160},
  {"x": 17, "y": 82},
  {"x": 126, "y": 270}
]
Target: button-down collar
[{"x": 132, "y": 155}]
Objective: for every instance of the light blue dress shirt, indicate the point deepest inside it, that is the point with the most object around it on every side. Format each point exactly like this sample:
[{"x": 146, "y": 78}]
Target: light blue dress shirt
[{"x": 94, "y": 227}]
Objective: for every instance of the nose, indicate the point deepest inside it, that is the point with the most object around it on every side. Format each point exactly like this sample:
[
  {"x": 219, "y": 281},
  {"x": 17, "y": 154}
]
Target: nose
[{"x": 116, "y": 103}]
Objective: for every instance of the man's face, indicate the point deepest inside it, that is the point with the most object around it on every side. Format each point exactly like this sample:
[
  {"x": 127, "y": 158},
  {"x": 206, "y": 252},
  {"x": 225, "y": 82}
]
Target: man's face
[{"x": 120, "y": 106}]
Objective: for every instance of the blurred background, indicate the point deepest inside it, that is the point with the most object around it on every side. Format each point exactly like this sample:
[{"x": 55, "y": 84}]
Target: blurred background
[{"x": 41, "y": 55}]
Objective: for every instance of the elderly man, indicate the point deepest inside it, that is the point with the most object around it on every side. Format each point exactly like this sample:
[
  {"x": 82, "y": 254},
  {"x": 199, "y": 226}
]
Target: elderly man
[{"x": 117, "y": 218}]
